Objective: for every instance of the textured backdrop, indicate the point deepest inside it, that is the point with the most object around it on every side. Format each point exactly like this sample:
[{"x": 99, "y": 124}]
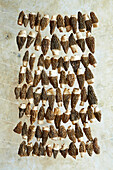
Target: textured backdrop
[{"x": 10, "y": 60}]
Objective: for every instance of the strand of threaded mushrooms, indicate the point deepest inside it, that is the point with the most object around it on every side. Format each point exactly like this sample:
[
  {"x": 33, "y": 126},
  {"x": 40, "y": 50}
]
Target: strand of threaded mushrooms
[{"x": 60, "y": 65}]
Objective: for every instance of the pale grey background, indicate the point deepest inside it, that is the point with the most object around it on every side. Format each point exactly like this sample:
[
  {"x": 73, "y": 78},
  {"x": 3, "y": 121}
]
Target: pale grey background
[{"x": 9, "y": 66}]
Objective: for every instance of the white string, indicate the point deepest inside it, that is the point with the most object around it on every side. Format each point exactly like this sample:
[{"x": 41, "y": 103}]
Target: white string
[
  {"x": 9, "y": 142},
  {"x": 8, "y": 121},
  {"x": 17, "y": 69},
  {"x": 19, "y": 143},
  {"x": 16, "y": 84},
  {"x": 9, "y": 101}
]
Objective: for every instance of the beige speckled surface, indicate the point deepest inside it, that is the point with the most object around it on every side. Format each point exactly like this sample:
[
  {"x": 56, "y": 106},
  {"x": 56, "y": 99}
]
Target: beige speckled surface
[{"x": 9, "y": 64}]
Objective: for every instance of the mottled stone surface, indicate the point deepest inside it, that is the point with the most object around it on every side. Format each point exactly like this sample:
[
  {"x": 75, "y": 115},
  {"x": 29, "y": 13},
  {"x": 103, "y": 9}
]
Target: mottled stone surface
[{"x": 10, "y": 60}]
